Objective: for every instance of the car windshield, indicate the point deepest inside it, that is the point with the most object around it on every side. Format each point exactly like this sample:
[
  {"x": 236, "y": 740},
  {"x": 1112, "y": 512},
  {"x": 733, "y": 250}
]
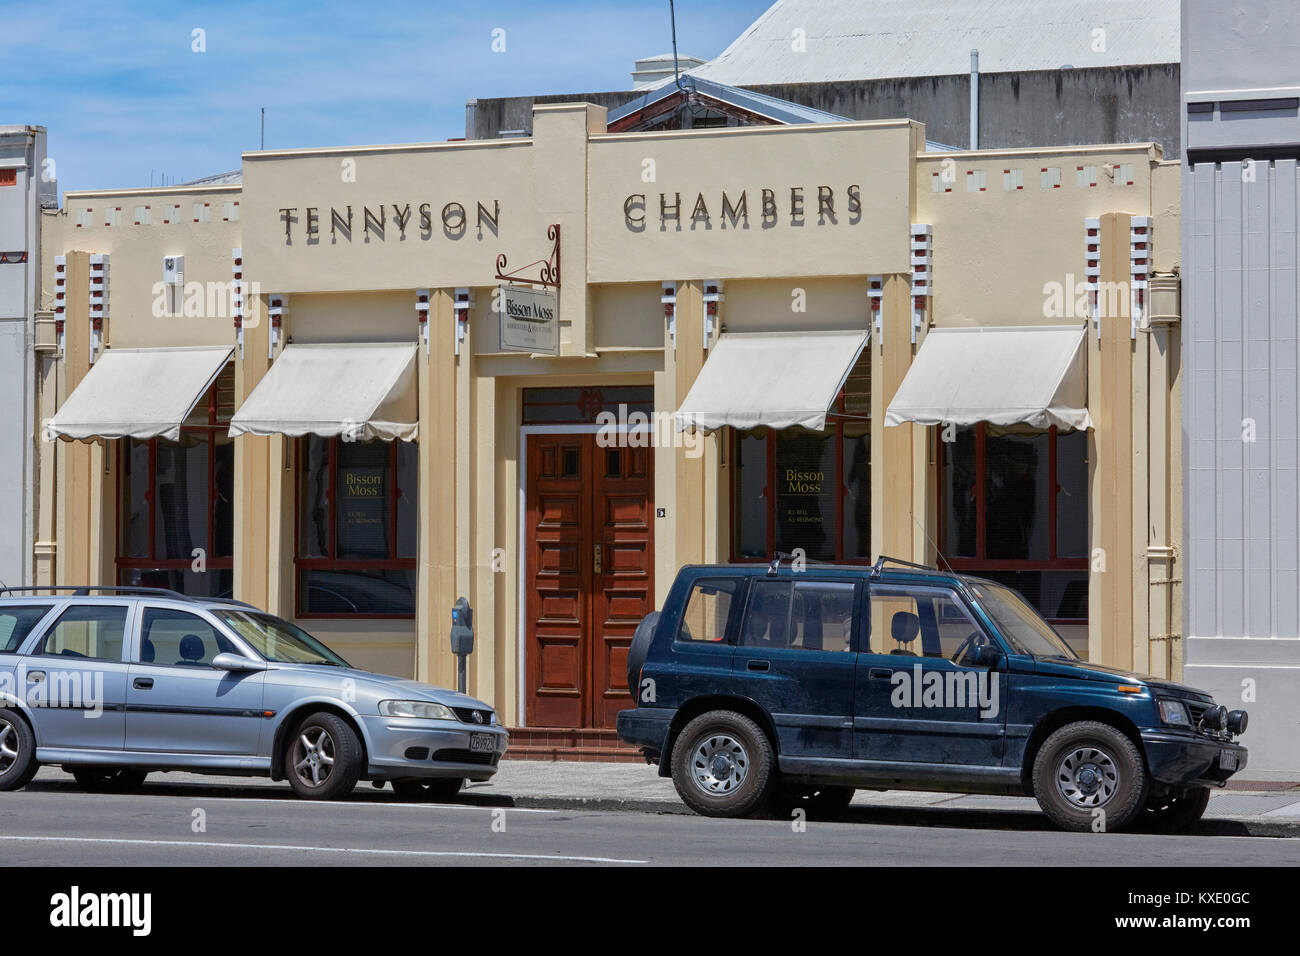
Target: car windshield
[
  {"x": 1019, "y": 623},
  {"x": 279, "y": 641}
]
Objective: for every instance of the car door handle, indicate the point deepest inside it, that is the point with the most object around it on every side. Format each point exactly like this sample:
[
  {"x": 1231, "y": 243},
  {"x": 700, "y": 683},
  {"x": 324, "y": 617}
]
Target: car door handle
[
  {"x": 882, "y": 673},
  {"x": 758, "y": 665},
  {"x": 36, "y": 676},
  {"x": 142, "y": 683}
]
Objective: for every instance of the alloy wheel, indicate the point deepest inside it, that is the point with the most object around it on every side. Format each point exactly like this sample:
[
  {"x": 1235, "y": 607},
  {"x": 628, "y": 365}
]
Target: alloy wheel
[
  {"x": 313, "y": 756},
  {"x": 720, "y": 764},
  {"x": 9, "y": 744},
  {"x": 1087, "y": 777}
]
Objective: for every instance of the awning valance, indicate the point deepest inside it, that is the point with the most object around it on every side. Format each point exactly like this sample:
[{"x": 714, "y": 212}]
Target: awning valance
[
  {"x": 359, "y": 391},
  {"x": 1003, "y": 375},
  {"x": 138, "y": 393},
  {"x": 777, "y": 379}
]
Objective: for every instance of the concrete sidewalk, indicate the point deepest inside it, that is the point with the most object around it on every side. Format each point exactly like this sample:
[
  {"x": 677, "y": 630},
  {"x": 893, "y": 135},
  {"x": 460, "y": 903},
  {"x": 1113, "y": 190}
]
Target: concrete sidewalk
[{"x": 1271, "y": 808}]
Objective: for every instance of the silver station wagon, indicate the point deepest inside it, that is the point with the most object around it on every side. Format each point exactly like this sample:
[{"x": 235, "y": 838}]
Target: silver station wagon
[{"x": 114, "y": 683}]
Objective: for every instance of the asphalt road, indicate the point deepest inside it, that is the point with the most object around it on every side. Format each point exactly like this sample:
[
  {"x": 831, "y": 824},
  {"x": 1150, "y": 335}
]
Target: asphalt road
[{"x": 53, "y": 823}]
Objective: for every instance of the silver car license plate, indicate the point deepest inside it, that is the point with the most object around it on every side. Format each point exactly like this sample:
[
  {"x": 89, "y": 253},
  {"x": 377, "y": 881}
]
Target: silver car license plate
[
  {"x": 1228, "y": 759},
  {"x": 482, "y": 743}
]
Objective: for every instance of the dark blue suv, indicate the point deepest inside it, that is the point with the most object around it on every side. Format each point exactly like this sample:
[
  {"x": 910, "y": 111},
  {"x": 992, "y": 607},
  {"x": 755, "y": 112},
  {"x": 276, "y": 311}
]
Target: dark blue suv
[{"x": 770, "y": 686}]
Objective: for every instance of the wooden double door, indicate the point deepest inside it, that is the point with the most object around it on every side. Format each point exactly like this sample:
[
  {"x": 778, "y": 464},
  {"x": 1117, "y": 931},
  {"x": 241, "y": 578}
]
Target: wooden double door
[{"x": 589, "y": 575}]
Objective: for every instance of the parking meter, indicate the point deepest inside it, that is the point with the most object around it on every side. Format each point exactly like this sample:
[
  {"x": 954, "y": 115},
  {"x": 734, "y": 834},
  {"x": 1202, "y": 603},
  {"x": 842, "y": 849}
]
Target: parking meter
[{"x": 462, "y": 638}]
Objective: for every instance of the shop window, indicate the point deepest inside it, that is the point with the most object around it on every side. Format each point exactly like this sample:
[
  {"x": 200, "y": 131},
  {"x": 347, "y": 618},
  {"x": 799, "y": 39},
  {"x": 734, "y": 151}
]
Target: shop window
[
  {"x": 357, "y": 520},
  {"x": 1014, "y": 509},
  {"x": 176, "y": 502},
  {"x": 799, "y": 489}
]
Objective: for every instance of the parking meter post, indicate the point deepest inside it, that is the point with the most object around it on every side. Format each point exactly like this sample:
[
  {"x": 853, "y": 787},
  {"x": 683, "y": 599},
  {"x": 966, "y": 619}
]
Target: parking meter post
[{"x": 462, "y": 639}]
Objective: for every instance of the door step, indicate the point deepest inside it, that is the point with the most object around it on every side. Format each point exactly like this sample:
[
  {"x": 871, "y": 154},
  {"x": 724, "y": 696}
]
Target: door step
[{"x": 562, "y": 743}]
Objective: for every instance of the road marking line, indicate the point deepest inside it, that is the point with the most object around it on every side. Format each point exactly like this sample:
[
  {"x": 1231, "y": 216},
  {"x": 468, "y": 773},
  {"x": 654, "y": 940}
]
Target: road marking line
[{"x": 319, "y": 849}]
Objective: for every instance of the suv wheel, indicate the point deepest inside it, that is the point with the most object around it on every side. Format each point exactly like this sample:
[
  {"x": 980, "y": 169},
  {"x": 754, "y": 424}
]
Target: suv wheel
[
  {"x": 17, "y": 752},
  {"x": 1087, "y": 767},
  {"x": 324, "y": 758},
  {"x": 418, "y": 789},
  {"x": 722, "y": 764},
  {"x": 108, "y": 779},
  {"x": 1174, "y": 814}
]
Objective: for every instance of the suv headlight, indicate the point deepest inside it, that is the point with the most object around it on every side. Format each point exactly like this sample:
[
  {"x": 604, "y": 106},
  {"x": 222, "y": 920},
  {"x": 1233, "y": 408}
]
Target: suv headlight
[
  {"x": 1174, "y": 712},
  {"x": 416, "y": 708}
]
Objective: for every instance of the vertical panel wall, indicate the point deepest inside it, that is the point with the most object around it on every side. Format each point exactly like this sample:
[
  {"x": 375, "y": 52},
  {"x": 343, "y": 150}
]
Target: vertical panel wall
[{"x": 1241, "y": 427}]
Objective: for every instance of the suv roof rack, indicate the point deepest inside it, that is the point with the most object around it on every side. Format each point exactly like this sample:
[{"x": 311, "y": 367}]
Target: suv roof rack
[
  {"x": 886, "y": 559},
  {"x": 777, "y": 558},
  {"x": 83, "y": 590}
]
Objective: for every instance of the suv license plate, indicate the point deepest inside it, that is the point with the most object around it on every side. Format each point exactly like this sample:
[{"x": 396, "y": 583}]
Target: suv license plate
[
  {"x": 1228, "y": 759},
  {"x": 482, "y": 743}
]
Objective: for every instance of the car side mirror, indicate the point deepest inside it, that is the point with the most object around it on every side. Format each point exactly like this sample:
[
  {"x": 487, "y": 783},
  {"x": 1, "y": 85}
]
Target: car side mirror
[
  {"x": 987, "y": 655},
  {"x": 237, "y": 663}
]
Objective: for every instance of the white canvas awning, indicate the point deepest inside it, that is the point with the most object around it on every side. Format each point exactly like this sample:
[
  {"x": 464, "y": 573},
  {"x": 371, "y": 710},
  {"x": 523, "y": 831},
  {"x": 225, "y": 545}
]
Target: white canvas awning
[
  {"x": 777, "y": 379},
  {"x": 138, "y": 393},
  {"x": 360, "y": 391},
  {"x": 1003, "y": 375}
]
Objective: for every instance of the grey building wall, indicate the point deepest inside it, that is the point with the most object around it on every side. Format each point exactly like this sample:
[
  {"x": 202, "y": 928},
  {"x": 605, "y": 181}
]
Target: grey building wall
[
  {"x": 1042, "y": 108},
  {"x": 22, "y": 149},
  {"x": 1241, "y": 388}
]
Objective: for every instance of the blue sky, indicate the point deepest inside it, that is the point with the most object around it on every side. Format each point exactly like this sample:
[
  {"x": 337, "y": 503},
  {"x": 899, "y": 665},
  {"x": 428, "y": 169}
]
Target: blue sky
[{"x": 123, "y": 94}]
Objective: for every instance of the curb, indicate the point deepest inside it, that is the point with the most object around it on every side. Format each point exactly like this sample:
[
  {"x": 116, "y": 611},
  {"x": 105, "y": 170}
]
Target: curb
[{"x": 946, "y": 817}]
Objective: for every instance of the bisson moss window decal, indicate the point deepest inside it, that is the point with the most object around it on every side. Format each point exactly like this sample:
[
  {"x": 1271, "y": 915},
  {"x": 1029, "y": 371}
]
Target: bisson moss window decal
[{"x": 356, "y": 528}]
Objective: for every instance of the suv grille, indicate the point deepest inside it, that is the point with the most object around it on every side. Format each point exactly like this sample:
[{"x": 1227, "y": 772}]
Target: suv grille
[
  {"x": 466, "y": 714},
  {"x": 456, "y": 755}
]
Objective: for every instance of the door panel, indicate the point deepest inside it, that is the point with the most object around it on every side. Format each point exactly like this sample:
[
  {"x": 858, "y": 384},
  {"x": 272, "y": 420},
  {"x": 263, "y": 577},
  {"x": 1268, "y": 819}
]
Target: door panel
[
  {"x": 796, "y": 660},
  {"x": 559, "y": 575},
  {"x": 76, "y": 677},
  {"x": 177, "y": 702},
  {"x": 914, "y": 704},
  {"x": 590, "y": 580}
]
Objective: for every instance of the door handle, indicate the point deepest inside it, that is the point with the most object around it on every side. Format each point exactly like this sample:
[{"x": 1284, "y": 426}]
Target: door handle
[
  {"x": 36, "y": 676},
  {"x": 758, "y": 665},
  {"x": 142, "y": 683},
  {"x": 600, "y": 553},
  {"x": 877, "y": 673}
]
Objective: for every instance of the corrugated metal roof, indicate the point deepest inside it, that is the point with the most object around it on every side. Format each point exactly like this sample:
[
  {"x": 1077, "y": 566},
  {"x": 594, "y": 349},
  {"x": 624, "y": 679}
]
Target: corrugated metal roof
[{"x": 877, "y": 39}]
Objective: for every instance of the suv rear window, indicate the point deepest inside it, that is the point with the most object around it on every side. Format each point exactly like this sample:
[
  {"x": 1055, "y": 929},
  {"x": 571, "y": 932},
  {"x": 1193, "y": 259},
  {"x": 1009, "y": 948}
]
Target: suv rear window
[
  {"x": 707, "y": 611},
  {"x": 800, "y": 615},
  {"x": 16, "y": 623}
]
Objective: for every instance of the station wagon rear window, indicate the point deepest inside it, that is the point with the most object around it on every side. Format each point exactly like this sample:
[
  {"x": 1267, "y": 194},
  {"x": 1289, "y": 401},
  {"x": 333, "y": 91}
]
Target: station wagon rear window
[{"x": 16, "y": 623}]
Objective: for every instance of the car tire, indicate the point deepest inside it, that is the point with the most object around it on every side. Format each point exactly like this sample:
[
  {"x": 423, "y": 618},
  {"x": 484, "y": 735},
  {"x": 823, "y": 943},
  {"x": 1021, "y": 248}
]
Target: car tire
[
  {"x": 818, "y": 802},
  {"x": 638, "y": 650},
  {"x": 108, "y": 779},
  {"x": 722, "y": 765},
  {"x": 17, "y": 751},
  {"x": 323, "y": 757},
  {"x": 435, "y": 790},
  {"x": 1085, "y": 767},
  {"x": 1176, "y": 814}
]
